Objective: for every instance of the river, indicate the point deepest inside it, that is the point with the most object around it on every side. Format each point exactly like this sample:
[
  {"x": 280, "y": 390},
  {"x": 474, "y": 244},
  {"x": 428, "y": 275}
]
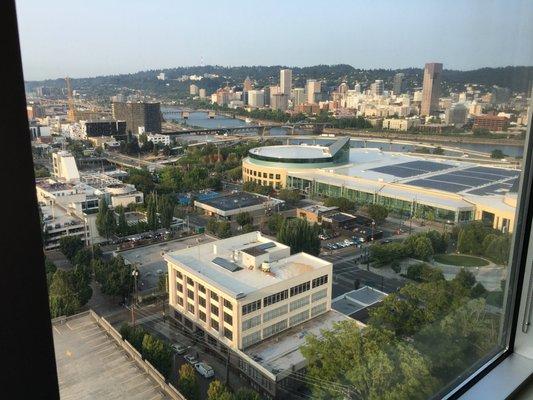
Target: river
[{"x": 200, "y": 119}]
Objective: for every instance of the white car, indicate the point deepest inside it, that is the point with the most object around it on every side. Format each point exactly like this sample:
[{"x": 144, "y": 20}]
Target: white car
[
  {"x": 191, "y": 359},
  {"x": 205, "y": 370},
  {"x": 179, "y": 348}
]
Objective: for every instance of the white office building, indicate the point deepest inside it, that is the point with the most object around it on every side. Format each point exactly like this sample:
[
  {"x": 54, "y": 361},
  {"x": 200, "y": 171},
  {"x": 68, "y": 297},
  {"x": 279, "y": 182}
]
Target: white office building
[
  {"x": 256, "y": 98},
  {"x": 249, "y": 294},
  {"x": 285, "y": 81}
]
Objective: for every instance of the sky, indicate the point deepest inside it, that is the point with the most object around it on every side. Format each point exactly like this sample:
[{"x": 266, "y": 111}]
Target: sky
[{"x": 83, "y": 38}]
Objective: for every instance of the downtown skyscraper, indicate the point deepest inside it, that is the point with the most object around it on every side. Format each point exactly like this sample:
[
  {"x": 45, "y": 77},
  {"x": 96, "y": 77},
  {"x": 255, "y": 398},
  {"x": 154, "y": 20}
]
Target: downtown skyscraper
[
  {"x": 285, "y": 81},
  {"x": 431, "y": 88}
]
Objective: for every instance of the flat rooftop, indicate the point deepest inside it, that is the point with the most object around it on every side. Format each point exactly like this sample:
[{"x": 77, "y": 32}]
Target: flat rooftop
[
  {"x": 221, "y": 263},
  {"x": 356, "y": 300},
  {"x": 318, "y": 209},
  {"x": 233, "y": 201},
  {"x": 91, "y": 365},
  {"x": 292, "y": 151},
  {"x": 282, "y": 351}
]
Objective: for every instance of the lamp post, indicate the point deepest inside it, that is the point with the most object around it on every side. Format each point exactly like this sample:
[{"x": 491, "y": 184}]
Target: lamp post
[{"x": 135, "y": 274}]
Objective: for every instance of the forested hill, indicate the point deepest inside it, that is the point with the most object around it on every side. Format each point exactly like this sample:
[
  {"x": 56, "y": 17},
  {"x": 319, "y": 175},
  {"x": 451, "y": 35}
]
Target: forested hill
[{"x": 516, "y": 78}]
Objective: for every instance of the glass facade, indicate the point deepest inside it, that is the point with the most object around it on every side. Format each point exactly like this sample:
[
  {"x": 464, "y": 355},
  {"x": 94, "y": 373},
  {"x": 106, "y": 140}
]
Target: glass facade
[{"x": 398, "y": 207}]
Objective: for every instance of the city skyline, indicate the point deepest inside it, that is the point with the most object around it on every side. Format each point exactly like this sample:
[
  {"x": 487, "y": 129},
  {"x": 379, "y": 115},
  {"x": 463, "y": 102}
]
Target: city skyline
[{"x": 168, "y": 39}]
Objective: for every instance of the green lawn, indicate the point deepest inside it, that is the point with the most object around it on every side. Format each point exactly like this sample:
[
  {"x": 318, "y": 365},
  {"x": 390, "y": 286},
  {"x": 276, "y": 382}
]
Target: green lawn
[{"x": 460, "y": 260}]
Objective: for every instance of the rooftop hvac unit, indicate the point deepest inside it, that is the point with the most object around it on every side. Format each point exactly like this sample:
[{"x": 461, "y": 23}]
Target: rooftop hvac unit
[{"x": 265, "y": 266}]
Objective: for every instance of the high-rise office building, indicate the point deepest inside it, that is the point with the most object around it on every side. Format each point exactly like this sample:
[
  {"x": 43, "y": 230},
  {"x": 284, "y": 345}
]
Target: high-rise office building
[
  {"x": 298, "y": 96},
  {"x": 357, "y": 88},
  {"x": 202, "y": 93},
  {"x": 456, "y": 115},
  {"x": 138, "y": 115},
  {"x": 247, "y": 85},
  {"x": 431, "y": 88},
  {"x": 285, "y": 81},
  {"x": 377, "y": 87},
  {"x": 256, "y": 98},
  {"x": 313, "y": 89},
  {"x": 279, "y": 101},
  {"x": 398, "y": 84},
  {"x": 193, "y": 90}
]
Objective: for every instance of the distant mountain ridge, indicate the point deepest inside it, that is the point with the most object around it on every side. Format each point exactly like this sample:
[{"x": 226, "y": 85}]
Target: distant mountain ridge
[{"x": 517, "y": 78}]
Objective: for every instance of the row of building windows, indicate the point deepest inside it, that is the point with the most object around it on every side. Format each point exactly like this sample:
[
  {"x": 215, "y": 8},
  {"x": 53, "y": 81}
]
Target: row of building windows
[
  {"x": 322, "y": 280},
  {"x": 319, "y": 295},
  {"x": 300, "y": 317},
  {"x": 251, "y": 307},
  {"x": 303, "y": 287},
  {"x": 296, "y": 304},
  {"x": 318, "y": 309},
  {"x": 274, "y": 328},
  {"x": 275, "y": 298},
  {"x": 250, "y": 339},
  {"x": 251, "y": 322},
  {"x": 259, "y": 174},
  {"x": 276, "y": 312}
]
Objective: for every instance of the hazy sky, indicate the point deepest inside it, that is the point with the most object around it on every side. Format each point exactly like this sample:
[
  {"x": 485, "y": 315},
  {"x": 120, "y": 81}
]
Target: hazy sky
[{"x": 83, "y": 38}]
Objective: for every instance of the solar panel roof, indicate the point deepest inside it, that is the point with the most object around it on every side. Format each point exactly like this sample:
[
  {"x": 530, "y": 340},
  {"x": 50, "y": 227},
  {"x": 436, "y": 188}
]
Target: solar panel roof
[
  {"x": 411, "y": 168},
  {"x": 438, "y": 185},
  {"x": 494, "y": 171}
]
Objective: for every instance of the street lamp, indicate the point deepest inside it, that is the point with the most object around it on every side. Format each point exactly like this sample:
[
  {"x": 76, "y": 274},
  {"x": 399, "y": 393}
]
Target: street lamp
[{"x": 135, "y": 274}]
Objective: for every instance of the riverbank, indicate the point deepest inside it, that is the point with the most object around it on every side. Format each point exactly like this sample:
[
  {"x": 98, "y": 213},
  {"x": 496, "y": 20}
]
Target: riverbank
[{"x": 450, "y": 139}]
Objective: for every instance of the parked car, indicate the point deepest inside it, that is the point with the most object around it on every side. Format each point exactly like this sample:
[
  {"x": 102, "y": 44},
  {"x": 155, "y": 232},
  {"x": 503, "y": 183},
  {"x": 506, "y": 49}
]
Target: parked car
[
  {"x": 205, "y": 370},
  {"x": 191, "y": 359},
  {"x": 179, "y": 348}
]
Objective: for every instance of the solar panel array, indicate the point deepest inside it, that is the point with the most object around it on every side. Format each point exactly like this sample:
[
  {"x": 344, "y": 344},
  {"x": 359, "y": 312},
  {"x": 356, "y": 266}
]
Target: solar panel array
[
  {"x": 467, "y": 179},
  {"x": 497, "y": 188},
  {"x": 411, "y": 168},
  {"x": 229, "y": 265}
]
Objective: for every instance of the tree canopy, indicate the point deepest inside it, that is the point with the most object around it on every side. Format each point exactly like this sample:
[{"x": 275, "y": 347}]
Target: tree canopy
[{"x": 300, "y": 236}]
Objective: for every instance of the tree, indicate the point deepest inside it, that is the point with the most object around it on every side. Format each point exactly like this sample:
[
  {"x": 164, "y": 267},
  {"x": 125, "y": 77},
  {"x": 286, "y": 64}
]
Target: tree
[
  {"x": 246, "y": 394},
  {"x": 81, "y": 278},
  {"x": 423, "y": 248},
  {"x": 188, "y": 382},
  {"x": 300, "y": 236},
  {"x": 377, "y": 212},
  {"x": 289, "y": 196},
  {"x": 383, "y": 254},
  {"x": 465, "y": 335},
  {"x": 465, "y": 278},
  {"x": 105, "y": 220},
  {"x": 424, "y": 273},
  {"x": 70, "y": 245},
  {"x": 224, "y": 229},
  {"x": 142, "y": 179},
  {"x": 151, "y": 212},
  {"x": 162, "y": 283},
  {"x": 370, "y": 364},
  {"x": 217, "y": 391},
  {"x": 274, "y": 223},
  {"x": 341, "y": 202},
  {"x": 244, "y": 218},
  {"x": 416, "y": 305},
  {"x": 438, "y": 241},
  {"x": 158, "y": 352},
  {"x": 171, "y": 179},
  {"x": 114, "y": 276},
  {"x": 122, "y": 226},
  {"x": 166, "y": 211},
  {"x": 62, "y": 296}
]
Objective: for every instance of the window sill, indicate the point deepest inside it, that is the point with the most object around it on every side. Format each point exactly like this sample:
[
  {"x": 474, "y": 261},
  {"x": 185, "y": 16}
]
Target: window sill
[{"x": 503, "y": 381}]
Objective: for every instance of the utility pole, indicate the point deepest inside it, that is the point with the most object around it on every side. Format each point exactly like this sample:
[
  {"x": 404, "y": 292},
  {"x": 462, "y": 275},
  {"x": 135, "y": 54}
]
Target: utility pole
[
  {"x": 227, "y": 368},
  {"x": 134, "y": 273}
]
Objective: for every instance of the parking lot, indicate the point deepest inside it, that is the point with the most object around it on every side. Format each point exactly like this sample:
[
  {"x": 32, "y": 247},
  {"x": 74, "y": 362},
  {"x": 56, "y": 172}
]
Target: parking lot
[{"x": 149, "y": 259}]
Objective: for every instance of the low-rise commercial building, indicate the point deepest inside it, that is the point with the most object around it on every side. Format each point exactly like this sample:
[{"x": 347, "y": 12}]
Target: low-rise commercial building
[
  {"x": 236, "y": 203},
  {"x": 493, "y": 123},
  {"x": 249, "y": 296}
]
